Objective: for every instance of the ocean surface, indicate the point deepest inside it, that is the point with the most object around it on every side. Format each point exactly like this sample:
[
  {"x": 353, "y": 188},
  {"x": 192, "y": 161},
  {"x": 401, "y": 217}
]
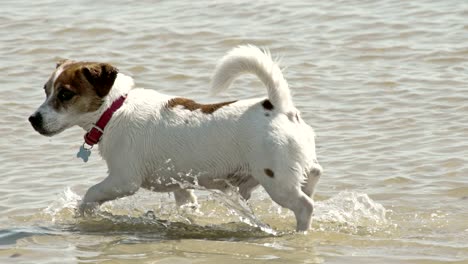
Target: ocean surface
[{"x": 383, "y": 83}]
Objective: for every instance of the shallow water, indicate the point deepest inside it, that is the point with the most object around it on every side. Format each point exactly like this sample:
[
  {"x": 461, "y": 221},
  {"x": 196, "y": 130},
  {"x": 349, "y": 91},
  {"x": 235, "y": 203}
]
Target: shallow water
[{"x": 384, "y": 84}]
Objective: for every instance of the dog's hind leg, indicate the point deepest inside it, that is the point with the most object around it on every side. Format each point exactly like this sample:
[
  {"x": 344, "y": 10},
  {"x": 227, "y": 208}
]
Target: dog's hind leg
[
  {"x": 184, "y": 196},
  {"x": 313, "y": 176}
]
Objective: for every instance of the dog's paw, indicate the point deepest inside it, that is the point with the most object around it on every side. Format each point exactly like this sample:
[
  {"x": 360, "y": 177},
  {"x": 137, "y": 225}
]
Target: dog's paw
[
  {"x": 86, "y": 209},
  {"x": 190, "y": 208}
]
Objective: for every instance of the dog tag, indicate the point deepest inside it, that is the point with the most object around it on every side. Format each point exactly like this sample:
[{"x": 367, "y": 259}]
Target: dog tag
[{"x": 83, "y": 153}]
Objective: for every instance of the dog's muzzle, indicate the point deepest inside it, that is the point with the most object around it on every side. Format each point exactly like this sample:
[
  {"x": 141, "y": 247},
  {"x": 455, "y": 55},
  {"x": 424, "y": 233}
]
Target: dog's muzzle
[{"x": 37, "y": 122}]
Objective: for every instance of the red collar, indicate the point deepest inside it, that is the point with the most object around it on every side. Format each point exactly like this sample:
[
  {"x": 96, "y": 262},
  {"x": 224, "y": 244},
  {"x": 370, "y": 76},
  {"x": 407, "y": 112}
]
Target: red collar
[{"x": 94, "y": 135}]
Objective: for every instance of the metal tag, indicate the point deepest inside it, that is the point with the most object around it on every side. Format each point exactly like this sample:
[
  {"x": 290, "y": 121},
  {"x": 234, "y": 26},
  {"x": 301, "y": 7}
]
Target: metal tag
[{"x": 84, "y": 153}]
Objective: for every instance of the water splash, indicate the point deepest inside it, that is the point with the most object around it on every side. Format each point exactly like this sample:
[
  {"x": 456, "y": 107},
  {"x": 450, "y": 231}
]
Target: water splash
[
  {"x": 163, "y": 219},
  {"x": 219, "y": 214},
  {"x": 243, "y": 210},
  {"x": 350, "y": 212},
  {"x": 65, "y": 205}
]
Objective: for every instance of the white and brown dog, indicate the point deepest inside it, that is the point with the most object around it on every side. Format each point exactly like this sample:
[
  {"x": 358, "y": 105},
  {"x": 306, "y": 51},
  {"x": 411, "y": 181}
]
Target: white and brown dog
[{"x": 242, "y": 143}]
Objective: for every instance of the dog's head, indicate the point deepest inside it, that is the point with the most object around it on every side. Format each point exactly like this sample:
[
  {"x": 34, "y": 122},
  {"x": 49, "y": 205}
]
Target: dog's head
[{"x": 73, "y": 89}]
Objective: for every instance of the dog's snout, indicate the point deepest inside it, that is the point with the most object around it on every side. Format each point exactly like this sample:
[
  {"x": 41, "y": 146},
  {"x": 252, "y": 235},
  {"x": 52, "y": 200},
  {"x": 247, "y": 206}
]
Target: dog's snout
[{"x": 36, "y": 120}]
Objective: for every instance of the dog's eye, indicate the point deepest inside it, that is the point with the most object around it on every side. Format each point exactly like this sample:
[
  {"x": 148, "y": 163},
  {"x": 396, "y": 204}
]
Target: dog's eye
[{"x": 65, "y": 95}]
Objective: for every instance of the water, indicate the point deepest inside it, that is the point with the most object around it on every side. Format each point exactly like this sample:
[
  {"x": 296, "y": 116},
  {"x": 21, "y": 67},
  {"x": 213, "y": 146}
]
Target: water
[{"x": 384, "y": 84}]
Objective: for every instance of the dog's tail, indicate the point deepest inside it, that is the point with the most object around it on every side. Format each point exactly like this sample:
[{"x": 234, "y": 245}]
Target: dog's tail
[{"x": 250, "y": 59}]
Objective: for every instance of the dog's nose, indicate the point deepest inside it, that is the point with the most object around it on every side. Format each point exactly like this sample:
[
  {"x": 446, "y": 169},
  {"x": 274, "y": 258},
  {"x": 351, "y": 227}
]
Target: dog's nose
[{"x": 36, "y": 120}]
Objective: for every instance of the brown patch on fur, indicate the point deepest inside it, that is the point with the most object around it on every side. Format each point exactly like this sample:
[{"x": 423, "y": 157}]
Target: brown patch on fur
[
  {"x": 48, "y": 87},
  {"x": 101, "y": 76},
  {"x": 269, "y": 173},
  {"x": 90, "y": 81},
  {"x": 192, "y": 105},
  {"x": 63, "y": 61},
  {"x": 267, "y": 105}
]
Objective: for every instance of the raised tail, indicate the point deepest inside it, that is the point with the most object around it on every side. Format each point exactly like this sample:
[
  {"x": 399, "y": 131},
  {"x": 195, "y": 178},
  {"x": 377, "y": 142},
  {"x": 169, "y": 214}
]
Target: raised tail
[{"x": 250, "y": 59}]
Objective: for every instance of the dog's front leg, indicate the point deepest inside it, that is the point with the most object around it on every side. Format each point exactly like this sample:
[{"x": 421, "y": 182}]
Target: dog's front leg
[{"x": 110, "y": 188}]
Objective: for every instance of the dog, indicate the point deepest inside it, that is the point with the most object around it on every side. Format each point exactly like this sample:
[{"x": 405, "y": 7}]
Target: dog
[{"x": 237, "y": 144}]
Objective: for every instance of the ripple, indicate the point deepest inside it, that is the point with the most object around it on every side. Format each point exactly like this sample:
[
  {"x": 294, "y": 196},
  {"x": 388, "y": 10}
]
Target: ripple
[{"x": 382, "y": 82}]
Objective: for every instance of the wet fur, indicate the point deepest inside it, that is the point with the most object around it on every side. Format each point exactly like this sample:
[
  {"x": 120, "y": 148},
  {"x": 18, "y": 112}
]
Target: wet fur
[{"x": 159, "y": 141}]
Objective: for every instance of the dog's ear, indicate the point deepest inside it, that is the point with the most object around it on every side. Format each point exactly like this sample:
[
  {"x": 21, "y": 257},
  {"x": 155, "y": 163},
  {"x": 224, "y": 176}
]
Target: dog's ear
[
  {"x": 62, "y": 61},
  {"x": 101, "y": 76}
]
